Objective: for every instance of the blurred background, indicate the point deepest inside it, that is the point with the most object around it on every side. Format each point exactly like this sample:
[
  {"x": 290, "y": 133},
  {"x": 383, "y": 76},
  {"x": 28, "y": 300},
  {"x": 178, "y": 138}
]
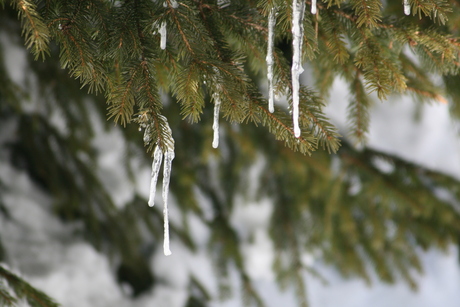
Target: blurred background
[{"x": 251, "y": 221}]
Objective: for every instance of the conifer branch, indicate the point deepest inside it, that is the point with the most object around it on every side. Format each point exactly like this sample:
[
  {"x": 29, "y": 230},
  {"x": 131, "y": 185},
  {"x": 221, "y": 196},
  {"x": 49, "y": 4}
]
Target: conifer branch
[
  {"x": 313, "y": 118},
  {"x": 436, "y": 9},
  {"x": 427, "y": 94},
  {"x": 333, "y": 36},
  {"x": 34, "y": 28},
  {"x": 121, "y": 99},
  {"x": 368, "y": 12},
  {"x": 6, "y": 299},
  {"x": 358, "y": 109},
  {"x": 23, "y": 290}
]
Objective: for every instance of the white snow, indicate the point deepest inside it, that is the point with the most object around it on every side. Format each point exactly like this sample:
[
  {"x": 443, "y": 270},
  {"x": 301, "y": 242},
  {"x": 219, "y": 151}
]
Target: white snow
[
  {"x": 406, "y": 7},
  {"x": 269, "y": 58},
  {"x": 163, "y": 33},
  {"x": 215, "y": 124},
  {"x": 156, "y": 164},
  {"x": 174, "y": 4},
  {"x": 169, "y": 156},
  {"x": 298, "y": 8}
]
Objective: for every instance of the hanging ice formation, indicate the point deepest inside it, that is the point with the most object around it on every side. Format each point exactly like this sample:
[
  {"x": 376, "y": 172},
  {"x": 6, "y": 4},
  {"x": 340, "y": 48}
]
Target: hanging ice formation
[
  {"x": 269, "y": 58},
  {"x": 313, "y": 7},
  {"x": 157, "y": 158},
  {"x": 169, "y": 156},
  {"x": 298, "y": 9},
  {"x": 163, "y": 33},
  {"x": 406, "y": 7},
  {"x": 156, "y": 165},
  {"x": 215, "y": 124},
  {"x": 167, "y": 166},
  {"x": 223, "y": 3}
]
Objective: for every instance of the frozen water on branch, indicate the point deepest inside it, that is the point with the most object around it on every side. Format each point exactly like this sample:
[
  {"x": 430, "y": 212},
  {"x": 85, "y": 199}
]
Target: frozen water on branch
[
  {"x": 269, "y": 58},
  {"x": 169, "y": 156},
  {"x": 406, "y": 7},
  {"x": 313, "y": 7},
  {"x": 215, "y": 124},
  {"x": 298, "y": 9},
  {"x": 162, "y": 31},
  {"x": 157, "y": 158},
  {"x": 168, "y": 151},
  {"x": 147, "y": 134},
  {"x": 223, "y": 3}
]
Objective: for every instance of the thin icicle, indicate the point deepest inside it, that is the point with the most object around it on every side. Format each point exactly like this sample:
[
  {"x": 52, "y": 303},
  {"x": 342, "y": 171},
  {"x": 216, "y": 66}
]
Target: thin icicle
[
  {"x": 269, "y": 58},
  {"x": 162, "y": 32},
  {"x": 157, "y": 158},
  {"x": 313, "y": 7},
  {"x": 169, "y": 156},
  {"x": 406, "y": 7},
  {"x": 215, "y": 124},
  {"x": 223, "y": 3},
  {"x": 298, "y": 8},
  {"x": 147, "y": 134}
]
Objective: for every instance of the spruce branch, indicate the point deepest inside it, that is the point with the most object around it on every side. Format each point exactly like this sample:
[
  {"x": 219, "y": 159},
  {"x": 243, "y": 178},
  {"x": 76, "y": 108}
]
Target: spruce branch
[
  {"x": 6, "y": 299},
  {"x": 121, "y": 98},
  {"x": 368, "y": 12},
  {"x": 435, "y": 9},
  {"x": 23, "y": 290},
  {"x": 279, "y": 124},
  {"x": 313, "y": 118},
  {"x": 334, "y": 37},
  {"x": 358, "y": 109},
  {"x": 34, "y": 29}
]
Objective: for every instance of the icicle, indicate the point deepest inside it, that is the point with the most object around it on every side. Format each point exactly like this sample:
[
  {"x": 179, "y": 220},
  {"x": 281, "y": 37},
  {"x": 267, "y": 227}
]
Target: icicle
[
  {"x": 157, "y": 157},
  {"x": 162, "y": 31},
  {"x": 215, "y": 124},
  {"x": 147, "y": 137},
  {"x": 269, "y": 58},
  {"x": 169, "y": 156},
  {"x": 296, "y": 69},
  {"x": 313, "y": 7},
  {"x": 406, "y": 7},
  {"x": 223, "y": 3}
]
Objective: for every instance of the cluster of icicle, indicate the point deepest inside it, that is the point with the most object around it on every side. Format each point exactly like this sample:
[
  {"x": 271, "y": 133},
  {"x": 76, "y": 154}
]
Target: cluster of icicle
[
  {"x": 158, "y": 153},
  {"x": 157, "y": 159},
  {"x": 169, "y": 153},
  {"x": 298, "y": 8},
  {"x": 156, "y": 165},
  {"x": 298, "y": 11}
]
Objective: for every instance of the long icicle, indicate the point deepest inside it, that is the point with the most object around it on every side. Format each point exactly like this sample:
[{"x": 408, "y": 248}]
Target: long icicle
[
  {"x": 169, "y": 156},
  {"x": 215, "y": 124},
  {"x": 157, "y": 158},
  {"x": 296, "y": 69},
  {"x": 163, "y": 34},
  {"x": 269, "y": 58},
  {"x": 313, "y": 7},
  {"x": 406, "y": 7}
]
